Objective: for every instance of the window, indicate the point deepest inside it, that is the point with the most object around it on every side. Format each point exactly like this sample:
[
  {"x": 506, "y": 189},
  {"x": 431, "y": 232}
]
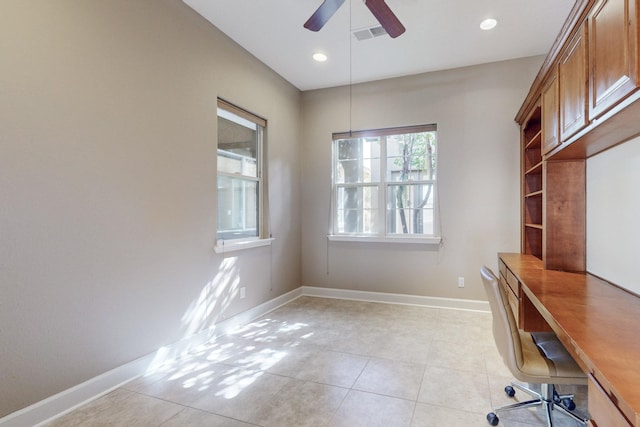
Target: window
[
  {"x": 240, "y": 183},
  {"x": 384, "y": 183}
]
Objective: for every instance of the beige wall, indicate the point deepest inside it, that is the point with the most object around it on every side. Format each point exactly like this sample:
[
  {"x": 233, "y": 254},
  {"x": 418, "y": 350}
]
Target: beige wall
[
  {"x": 478, "y": 171},
  {"x": 107, "y": 186}
]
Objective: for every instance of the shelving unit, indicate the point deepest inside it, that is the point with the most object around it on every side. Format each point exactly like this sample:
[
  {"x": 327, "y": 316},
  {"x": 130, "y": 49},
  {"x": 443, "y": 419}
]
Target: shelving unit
[
  {"x": 532, "y": 184},
  {"x": 553, "y": 201},
  {"x": 584, "y": 100}
]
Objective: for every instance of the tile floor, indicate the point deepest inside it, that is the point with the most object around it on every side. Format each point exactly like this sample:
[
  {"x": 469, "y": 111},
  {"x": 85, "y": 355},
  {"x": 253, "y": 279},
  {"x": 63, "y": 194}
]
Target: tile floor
[{"x": 327, "y": 362}]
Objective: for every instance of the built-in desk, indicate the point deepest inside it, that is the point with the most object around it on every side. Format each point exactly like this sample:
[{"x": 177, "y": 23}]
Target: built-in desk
[{"x": 597, "y": 322}]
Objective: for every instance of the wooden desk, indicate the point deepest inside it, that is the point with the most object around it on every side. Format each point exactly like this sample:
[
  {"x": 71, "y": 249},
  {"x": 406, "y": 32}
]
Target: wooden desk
[{"x": 600, "y": 326}]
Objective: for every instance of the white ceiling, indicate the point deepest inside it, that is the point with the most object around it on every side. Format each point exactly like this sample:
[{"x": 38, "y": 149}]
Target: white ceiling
[{"x": 441, "y": 34}]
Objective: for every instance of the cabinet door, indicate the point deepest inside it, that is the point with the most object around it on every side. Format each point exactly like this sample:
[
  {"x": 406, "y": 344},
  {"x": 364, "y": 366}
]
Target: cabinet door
[
  {"x": 613, "y": 54},
  {"x": 550, "y": 139},
  {"x": 572, "y": 74},
  {"x": 603, "y": 410}
]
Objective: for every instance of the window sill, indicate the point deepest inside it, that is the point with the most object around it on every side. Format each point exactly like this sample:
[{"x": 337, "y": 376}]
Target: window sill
[
  {"x": 378, "y": 239},
  {"x": 232, "y": 246}
]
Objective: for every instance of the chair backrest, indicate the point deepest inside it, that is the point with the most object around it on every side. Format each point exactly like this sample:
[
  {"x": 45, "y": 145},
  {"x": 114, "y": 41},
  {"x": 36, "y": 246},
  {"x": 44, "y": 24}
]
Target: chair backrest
[{"x": 505, "y": 329}]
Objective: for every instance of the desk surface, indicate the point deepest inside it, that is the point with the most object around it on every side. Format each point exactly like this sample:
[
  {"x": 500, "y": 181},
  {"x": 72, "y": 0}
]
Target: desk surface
[{"x": 597, "y": 322}]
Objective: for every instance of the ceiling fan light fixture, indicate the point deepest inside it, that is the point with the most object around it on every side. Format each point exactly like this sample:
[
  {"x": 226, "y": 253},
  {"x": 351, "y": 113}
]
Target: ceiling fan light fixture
[
  {"x": 320, "y": 57},
  {"x": 488, "y": 24},
  {"x": 379, "y": 8}
]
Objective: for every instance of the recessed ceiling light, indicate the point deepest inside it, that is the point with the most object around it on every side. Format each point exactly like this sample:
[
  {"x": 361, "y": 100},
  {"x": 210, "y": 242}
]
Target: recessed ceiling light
[
  {"x": 488, "y": 24},
  {"x": 319, "y": 56}
]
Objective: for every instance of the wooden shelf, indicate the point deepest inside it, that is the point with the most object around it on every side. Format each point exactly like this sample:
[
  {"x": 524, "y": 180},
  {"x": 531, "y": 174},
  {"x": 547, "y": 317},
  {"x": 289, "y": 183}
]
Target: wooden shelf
[
  {"x": 535, "y": 169},
  {"x": 532, "y": 183},
  {"x": 535, "y": 142}
]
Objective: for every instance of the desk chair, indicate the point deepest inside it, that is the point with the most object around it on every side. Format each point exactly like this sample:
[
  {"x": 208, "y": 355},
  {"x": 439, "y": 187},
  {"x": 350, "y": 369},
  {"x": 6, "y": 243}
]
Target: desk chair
[{"x": 537, "y": 358}]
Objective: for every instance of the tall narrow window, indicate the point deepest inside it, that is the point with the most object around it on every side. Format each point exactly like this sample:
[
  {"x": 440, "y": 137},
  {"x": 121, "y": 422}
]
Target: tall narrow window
[
  {"x": 384, "y": 182},
  {"x": 240, "y": 184}
]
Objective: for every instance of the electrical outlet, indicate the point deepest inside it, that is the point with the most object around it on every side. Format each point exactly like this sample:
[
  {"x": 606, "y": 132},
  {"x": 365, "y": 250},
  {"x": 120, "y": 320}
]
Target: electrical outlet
[
  {"x": 243, "y": 293},
  {"x": 461, "y": 282}
]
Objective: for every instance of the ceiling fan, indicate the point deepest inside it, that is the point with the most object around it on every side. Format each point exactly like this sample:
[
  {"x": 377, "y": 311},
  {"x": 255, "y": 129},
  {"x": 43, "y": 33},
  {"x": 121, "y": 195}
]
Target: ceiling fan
[{"x": 379, "y": 8}]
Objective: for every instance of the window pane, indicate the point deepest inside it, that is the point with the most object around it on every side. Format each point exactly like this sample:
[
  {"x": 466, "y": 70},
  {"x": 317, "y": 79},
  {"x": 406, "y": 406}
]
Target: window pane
[
  {"x": 237, "y": 146},
  {"x": 231, "y": 162},
  {"x": 410, "y": 209},
  {"x": 358, "y": 160},
  {"x": 239, "y": 187},
  {"x": 237, "y": 208},
  {"x": 385, "y": 181},
  {"x": 411, "y": 157},
  {"x": 357, "y": 210}
]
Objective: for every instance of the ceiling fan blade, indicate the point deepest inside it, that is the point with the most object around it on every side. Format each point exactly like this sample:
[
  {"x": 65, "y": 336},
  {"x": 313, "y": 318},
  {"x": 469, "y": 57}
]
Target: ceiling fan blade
[
  {"x": 322, "y": 15},
  {"x": 386, "y": 17}
]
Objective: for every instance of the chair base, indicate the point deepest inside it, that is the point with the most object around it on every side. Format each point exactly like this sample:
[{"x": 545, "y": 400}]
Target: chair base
[{"x": 547, "y": 398}]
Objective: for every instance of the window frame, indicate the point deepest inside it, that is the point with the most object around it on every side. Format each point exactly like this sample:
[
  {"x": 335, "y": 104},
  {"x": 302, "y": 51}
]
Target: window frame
[
  {"x": 225, "y": 244},
  {"x": 382, "y": 185}
]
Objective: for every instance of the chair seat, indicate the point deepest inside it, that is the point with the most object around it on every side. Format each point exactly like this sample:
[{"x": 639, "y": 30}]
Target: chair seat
[{"x": 546, "y": 358}]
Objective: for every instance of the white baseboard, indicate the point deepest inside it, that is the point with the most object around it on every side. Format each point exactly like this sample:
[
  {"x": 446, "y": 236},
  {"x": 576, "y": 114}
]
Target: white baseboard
[
  {"x": 436, "y": 302},
  {"x": 76, "y": 396},
  {"x": 70, "y": 399},
  {"x": 260, "y": 310}
]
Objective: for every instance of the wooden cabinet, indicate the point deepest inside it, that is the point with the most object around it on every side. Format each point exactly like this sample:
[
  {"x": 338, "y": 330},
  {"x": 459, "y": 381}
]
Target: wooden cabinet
[
  {"x": 584, "y": 100},
  {"x": 572, "y": 75},
  {"x": 596, "y": 62},
  {"x": 564, "y": 244},
  {"x": 602, "y": 408},
  {"x": 553, "y": 201},
  {"x": 550, "y": 138},
  {"x": 613, "y": 54},
  {"x": 532, "y": 193},
  {"x": 526, "y": 315},
  {"x": 511, "y": 286}
]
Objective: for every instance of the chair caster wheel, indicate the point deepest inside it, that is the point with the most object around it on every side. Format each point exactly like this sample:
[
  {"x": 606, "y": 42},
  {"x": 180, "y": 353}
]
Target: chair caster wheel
[
  {"x": 569, "y": 404},
  {"x": 509, "y": 391},
  {"x": 492, "y": 418}
]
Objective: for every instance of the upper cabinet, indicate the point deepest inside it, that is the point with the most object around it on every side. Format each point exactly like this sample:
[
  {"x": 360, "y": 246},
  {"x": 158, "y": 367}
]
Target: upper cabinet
[
  {"x": 613, "y": 54},
  {"x": 593, "y": 71},
  {"x": 584, "y": 100},
  {"x": 572, "y": 71},
  {"x": 550, "y": 114}
]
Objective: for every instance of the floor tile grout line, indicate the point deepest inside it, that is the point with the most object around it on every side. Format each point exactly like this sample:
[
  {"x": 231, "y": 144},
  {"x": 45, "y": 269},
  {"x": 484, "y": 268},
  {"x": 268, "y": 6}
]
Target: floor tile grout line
[
  {"x": 189, "y": 406},
  {"x": 356, "y": 321},
  {"x": 360, "y": 374},
  {"x": 462, "y": 409}
]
